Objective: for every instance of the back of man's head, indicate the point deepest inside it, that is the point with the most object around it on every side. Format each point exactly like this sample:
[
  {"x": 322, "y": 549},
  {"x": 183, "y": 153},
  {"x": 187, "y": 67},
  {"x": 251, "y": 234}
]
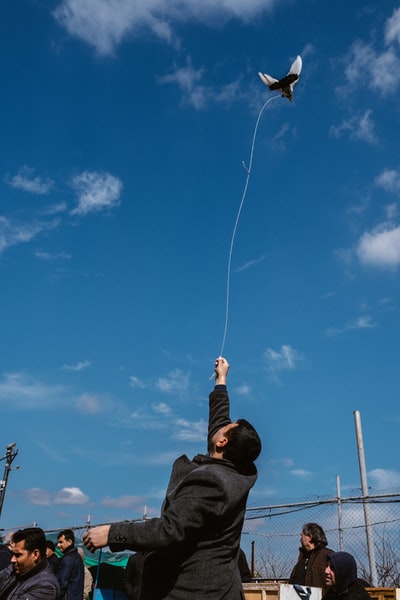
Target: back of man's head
[
  {"x": 68, "y": 534},
  {"x": 316, "y": 532},
  {"x": 33, "y": 538},
  {"x": 244, "y": 444}
]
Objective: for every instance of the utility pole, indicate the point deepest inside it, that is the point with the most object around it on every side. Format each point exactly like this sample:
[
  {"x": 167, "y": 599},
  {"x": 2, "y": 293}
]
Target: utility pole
[
  {"x": 339, "y": 507},
  {"x": 11, "y": 453},
  {"x": 364, "y": 486}
]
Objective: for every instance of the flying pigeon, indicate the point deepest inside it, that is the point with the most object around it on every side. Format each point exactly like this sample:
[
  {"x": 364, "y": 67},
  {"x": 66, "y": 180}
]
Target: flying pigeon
[{"x": 286, "y": 84}]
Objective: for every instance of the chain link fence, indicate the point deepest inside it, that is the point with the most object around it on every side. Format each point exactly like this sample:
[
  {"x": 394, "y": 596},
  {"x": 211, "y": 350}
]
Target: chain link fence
[
  {"x": 271, "y": 535},
  {"x": 368, "y": 528}
]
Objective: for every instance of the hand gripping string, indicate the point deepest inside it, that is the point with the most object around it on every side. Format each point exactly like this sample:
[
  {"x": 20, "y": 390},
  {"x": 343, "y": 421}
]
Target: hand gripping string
[{"x": 248, "y": 170}]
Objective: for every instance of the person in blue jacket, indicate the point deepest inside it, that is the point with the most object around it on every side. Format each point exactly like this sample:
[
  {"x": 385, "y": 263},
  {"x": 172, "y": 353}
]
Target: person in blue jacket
[{"x": 70, "y": 573}]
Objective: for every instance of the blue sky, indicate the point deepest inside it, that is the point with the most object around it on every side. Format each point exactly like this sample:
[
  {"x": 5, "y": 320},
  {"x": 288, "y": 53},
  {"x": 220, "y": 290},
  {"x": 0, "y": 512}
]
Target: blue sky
[{"x": 123, "y": 130}]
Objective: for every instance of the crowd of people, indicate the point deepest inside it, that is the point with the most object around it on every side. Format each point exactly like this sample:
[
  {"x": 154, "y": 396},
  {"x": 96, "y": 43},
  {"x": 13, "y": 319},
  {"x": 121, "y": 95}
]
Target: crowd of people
[
  {"x": 31, "y": 570},
  {"x": 192, "y": 551}
]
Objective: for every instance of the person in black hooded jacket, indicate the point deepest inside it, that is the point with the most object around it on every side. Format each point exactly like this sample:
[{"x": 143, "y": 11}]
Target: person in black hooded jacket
[{"x": 341, "y": 578}]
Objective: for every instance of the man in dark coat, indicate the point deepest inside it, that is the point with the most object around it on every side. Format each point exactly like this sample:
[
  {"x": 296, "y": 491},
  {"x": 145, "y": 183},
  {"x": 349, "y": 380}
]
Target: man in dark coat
[
  {"x": 341, "y": 578},
  {"x": 70, "y": 573},
  {"x": 133, "y": 576},
  {"x": 193, "y": 547},
  {"x": 310, "y": 567},
  {"x": 28, "y": 576}
]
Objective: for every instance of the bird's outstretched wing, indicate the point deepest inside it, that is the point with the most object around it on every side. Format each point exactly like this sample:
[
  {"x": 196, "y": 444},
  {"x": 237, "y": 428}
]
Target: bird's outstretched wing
[{"x": 286, "y": 84}]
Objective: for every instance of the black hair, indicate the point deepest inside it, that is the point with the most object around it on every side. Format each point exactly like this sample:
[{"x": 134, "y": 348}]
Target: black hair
[
  {"x": 68, "y": 534},
  {"x": 244, "y": 444},
  {"x": 318, "y": 536},
  {"x": 33, "y": 538},
  {"x": 50, "y": 544}
]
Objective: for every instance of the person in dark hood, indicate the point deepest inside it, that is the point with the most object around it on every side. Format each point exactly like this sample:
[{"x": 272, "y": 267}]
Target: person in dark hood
[
  {"x": 310, "y": 567},
  {"x": 341, "y": 578}
]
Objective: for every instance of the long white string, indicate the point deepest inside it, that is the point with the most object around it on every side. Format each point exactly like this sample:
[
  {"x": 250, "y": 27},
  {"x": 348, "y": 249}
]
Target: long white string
[{"x": 248, "y": 169}]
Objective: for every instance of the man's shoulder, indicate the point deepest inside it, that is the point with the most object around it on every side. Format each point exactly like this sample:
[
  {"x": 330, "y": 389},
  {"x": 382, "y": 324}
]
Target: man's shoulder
[
  {"x": 6, "y": 575},
  {"x": 71, "y": 554},
  {"x": 357, "y": 591},
  {"x": 221, "y": 474},
  {"x": 323, "y": 551},
  {"x": 47, "y": 576},
  {"x": 70, "y": 561},
  {"x": 43, "y": 581}
]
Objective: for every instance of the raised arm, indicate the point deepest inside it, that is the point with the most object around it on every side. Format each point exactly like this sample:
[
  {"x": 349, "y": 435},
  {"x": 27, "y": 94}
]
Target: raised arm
[{"x": 219, "y": 399}]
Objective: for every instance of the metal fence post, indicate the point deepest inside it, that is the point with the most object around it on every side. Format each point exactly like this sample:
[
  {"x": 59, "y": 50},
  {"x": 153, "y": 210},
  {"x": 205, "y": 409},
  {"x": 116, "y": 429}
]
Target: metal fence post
[{"x": 364, "y": 485}]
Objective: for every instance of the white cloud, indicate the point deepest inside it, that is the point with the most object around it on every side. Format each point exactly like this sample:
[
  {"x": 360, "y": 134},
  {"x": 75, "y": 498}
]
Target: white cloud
[
  {"x": 285, "y": 359},
  {"x": 104, "y": 24},
  {"x": 358, "y": 127},
  {"x": 389, "y": 180},
  {"x": 392, "y": 28},
  {"x": 198, "y": 95},
  {"x": 25, "y": 180},
  {"x": 191, "y": 431},
  {"x": 176, "y": 382},
  {"x": 366, "y": 66},
  {"x": 54, "y": 209},
  {"x": 135, "y": 382},
  {"x": 162, "y": 408},
  {"x": 89, "y": 403},
  {"x": 96, "y": 191},
  {"x": 71, "y": 495},
  {"x": 243, "y": 390},
  {"x": 17, "y": 391},
  {"x": 79, "y": 366},
  {"x": 38, "y": 496},
  {"x": 250, "y": 263},
  {"x": 188, "y": 80},
  {"x": 361, "y": 322},
  {"x": 163, "y": 417},
  {"x": 51, "y": 453},
  {"x": 50, "y": 257},
  {"x": 12, "y": 233},
  {"x": 285, "y": 462},
  {"x": 132, "y": 502},
  {"x": 380, "y": 247},
  {"x": 141, "y": 419},
  {"x": 301, "y": 473},
  {"x": 369, "y": 67},
  {"x": 384, "y": 479},
  {"x": 391, "y": 211}
]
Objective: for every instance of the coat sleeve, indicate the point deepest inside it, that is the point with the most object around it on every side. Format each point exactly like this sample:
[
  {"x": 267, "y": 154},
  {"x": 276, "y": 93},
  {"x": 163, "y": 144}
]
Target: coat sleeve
[
  {"x": 218, "y": 410},
  {"x": 197, "y": 506}
]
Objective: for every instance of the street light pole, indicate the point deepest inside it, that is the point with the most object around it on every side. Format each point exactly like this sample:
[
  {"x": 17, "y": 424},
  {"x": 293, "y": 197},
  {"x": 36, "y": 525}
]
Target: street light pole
[{"x": 11, "y": 453}]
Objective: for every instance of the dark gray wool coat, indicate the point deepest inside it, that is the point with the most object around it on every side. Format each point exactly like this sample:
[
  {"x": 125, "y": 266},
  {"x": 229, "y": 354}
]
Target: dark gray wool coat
[
  {"x": 39, "y": 583},
  {"x": 193, "y": 547}
]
